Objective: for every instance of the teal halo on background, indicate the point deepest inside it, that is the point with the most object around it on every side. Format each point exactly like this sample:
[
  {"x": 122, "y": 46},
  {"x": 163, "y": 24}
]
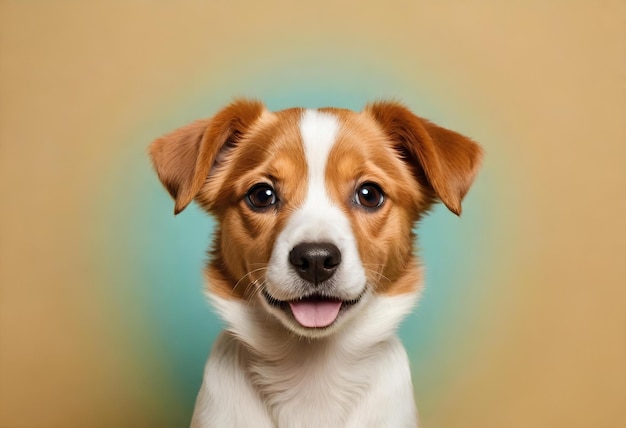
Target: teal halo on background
[{"x": 160, "y": 257}]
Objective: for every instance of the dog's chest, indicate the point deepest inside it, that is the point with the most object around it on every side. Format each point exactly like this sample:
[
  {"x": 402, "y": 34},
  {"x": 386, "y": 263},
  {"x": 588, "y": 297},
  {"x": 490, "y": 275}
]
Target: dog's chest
[{"x": 314, "y": 384}]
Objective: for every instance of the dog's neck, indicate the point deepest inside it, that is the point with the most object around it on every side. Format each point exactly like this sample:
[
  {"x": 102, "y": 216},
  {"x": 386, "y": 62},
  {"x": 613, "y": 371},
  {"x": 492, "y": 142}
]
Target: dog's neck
[{"x": 292, "y": 373}]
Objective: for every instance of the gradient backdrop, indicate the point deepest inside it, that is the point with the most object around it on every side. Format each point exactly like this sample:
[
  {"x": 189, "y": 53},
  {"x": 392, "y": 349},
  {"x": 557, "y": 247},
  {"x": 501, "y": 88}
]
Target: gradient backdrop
[{"x": 102, "y": 321}]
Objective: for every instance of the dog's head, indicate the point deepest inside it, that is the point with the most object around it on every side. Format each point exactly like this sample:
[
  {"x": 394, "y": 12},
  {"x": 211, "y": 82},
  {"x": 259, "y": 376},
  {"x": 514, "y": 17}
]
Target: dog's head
[{"x": 315, "y": 207}]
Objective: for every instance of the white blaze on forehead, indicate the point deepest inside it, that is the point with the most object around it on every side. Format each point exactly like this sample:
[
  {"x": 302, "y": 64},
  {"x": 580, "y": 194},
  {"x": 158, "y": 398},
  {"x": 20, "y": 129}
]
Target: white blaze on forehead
[{"x": 319, "y": 132}]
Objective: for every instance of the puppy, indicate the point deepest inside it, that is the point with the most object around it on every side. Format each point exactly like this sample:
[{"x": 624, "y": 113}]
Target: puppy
[{"x": 312, "y": 266}]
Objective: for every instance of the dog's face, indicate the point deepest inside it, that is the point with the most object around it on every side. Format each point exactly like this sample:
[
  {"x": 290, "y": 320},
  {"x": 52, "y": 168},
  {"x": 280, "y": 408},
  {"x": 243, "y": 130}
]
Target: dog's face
[{"x": 315, "y": 207}]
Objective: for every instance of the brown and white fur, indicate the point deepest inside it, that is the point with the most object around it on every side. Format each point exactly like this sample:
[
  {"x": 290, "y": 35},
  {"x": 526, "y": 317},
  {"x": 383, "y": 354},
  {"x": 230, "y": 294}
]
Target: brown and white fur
[{"x": 312, "y": 266}]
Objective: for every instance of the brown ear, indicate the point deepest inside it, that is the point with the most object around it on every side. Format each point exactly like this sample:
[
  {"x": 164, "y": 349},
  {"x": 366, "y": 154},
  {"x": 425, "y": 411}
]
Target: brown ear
[
  {"x": 449, "y": 160},
  {"x": 184, "y": 157}
]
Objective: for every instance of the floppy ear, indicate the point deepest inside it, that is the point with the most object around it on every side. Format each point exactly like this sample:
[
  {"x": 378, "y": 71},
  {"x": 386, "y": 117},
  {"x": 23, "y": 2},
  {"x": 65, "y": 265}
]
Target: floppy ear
[
  {"x": 449, "y": 160},
  {"x": 184, "y": 157}
]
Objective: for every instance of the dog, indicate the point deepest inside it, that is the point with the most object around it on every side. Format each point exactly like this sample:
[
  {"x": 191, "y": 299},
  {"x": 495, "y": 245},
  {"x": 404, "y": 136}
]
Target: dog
[{"x": 312, "y": 266}]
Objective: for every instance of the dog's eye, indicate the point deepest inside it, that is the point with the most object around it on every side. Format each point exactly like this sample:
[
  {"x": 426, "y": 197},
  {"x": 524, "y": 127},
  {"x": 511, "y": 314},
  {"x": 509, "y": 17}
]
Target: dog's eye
[
  {"x": 369, "y": 195},
  {"x": 261, "y": 196}
]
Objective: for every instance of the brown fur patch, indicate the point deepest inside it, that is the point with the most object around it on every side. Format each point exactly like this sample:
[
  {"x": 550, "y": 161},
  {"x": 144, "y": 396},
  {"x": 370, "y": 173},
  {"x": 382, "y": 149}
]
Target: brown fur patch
[
  {"x": 184, "y": 157},
  {"x": 449, "y": 160},
  {"x": 363, "y": 153},
  {"x": 270, "y": 152}
]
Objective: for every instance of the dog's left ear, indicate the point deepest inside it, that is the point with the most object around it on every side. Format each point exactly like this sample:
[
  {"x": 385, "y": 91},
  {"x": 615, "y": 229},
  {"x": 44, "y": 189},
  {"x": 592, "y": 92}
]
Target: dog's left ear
[
  {"x": 449, "y": 160},
  {"x": 184, "y": 157}
]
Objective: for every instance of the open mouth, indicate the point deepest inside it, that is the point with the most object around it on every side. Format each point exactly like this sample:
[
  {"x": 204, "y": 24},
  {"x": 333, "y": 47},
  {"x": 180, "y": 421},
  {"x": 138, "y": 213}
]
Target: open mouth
[{"x": 314, "y": 311}]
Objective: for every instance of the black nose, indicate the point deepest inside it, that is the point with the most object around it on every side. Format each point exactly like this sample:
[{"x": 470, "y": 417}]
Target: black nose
[{"x": 315, "y": 262}]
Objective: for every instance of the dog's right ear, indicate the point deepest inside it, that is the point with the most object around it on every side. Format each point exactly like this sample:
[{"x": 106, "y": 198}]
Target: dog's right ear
[
  {"x": 184, "y": 157},
  {"x": 449, "y": 160}
]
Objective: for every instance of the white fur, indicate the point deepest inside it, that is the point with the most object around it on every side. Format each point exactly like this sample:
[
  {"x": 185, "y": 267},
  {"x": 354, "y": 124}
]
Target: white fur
[{"x": 262, "y": 373}]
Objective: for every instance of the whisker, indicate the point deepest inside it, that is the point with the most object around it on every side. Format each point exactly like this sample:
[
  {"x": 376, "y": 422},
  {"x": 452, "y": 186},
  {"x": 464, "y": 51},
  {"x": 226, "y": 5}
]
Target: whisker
[
  {"x": 373, "y": 264},
  {"x": 258, "y": 264},
  {"x": 380, "y": 275},
  {"x": 256, "y": 287},
  {"x": 244, "y": 277}
]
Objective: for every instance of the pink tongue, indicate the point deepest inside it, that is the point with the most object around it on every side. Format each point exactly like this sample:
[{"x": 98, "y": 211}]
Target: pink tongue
[{"x": 315, "y": 314}]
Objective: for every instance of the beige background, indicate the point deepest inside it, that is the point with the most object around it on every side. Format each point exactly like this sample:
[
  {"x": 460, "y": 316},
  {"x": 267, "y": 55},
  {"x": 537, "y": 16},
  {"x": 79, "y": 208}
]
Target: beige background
[{"x": 548, "y": 77}]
